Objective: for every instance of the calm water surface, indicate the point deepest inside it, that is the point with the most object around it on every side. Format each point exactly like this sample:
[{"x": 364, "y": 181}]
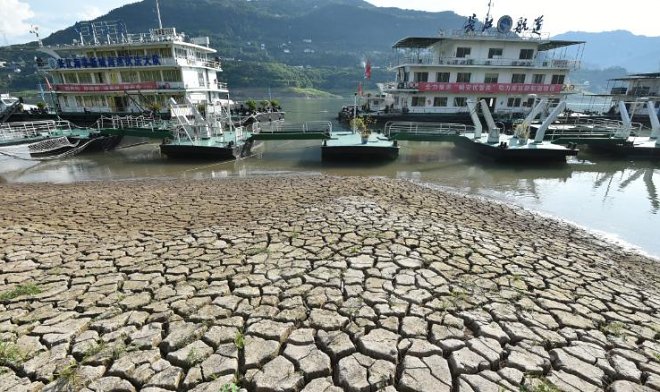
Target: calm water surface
[{"x": 617, "y": 199}]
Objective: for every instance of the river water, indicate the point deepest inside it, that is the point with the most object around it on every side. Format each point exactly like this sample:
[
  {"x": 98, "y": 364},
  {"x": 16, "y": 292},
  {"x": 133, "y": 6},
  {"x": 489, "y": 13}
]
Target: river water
[{"x": 617, "y": 199}]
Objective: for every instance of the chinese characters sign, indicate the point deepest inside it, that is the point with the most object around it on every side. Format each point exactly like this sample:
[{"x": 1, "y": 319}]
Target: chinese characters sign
[{"x": 486, "y": 87}]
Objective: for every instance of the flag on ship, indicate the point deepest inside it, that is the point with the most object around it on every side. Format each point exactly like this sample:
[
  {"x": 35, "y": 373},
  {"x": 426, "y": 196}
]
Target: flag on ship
[
  {"x": 50, "y": 88},
  {"x": 359, "y": 89},
  {"x": 367, "y": 70}
]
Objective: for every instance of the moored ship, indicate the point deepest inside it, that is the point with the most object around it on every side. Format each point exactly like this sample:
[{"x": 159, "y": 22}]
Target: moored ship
[
  {"x": 107, "y": 71},
  {"x": 507, "y": 65}
]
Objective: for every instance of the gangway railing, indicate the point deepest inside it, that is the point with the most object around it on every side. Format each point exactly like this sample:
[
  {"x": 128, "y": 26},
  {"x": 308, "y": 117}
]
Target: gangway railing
[
  {"x": 589, "y": 128},
  {"x": 26, "y": 130},
  {"x": 282, "y": 130},
  {"x": 410, "y": 130}
]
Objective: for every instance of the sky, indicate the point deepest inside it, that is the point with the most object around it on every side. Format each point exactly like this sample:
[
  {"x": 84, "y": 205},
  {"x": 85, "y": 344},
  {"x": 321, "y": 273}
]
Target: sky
[{"x": 17, "y": 17}]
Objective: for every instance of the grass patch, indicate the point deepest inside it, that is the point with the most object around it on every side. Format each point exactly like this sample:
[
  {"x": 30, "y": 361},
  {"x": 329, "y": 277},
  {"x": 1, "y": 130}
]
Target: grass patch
[
  {"x": 239, "y": 340},
  {"x": 94, "y": 350},
  {"x": 231, "y": 387},
  {"x": 615, "y": 328},
  {"x": 69, "y": 375},
  {"x": 540, "y": 384},
  {"x": 21, "y": 289},
  {"x": 10, "y": 354},
  {"x": 256, "y": 251}
]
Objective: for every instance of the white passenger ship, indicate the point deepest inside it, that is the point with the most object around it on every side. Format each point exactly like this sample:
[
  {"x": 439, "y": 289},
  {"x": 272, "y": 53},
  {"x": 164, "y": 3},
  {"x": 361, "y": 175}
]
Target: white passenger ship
[
  {"x": 509, "y": 65},
  {"x": 635, "y": 90},
  {"x": 109, "y": 71}
]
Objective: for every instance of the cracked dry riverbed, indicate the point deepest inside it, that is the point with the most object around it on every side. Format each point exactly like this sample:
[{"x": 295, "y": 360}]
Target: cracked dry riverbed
[{"x": 312, "y": 284}]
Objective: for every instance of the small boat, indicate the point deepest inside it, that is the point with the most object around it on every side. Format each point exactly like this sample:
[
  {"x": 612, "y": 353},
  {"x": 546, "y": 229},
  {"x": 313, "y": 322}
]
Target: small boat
[
  {"x": 51, "y": 139},
  {"x": 344, "y": 145},
  {"x": 359, "y": 146},
  {"x": 212, "y": 136},
  {"x": 517, "y": 148},
  {"x": 619, "y": 139}
]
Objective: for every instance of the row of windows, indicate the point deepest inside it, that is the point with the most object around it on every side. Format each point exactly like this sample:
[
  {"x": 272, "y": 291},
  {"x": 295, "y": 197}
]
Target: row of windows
[
  {"x": 118, "y": 77},
  {"x": 465, "y": 77},
  {"x": 525, "y": 54},
  {"x": 462, "y": 102},
  {"x": 149, "y": 52}
]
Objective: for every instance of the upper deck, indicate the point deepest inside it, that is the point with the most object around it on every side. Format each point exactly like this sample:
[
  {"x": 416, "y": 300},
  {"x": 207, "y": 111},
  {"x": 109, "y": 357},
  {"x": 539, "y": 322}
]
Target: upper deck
[
  {"x": 484, "y": 49},
  {"x": 162, "y": 47}
]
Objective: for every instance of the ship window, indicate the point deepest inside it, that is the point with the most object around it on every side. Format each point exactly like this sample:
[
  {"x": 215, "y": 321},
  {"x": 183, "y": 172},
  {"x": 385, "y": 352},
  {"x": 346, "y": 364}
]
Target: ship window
[
  {"x": 494, "y": 53},
  {"x": 442, "y": 77},
  {"x": 69, "y": 78},
  {"x": 171, "y": 76},
  {"x": 200, "y": 79},
  {"x": 440, "y": 101},
  {"x": 558, "y": 79},
  {"x": 421, "y": 77},
  {"x": 460, "y": 101},
  {"x": 491, "y": 78},
  {"x": 85, "y": 77},
  {"x": 418, "y": 101},
  {"x": 150, "y": 76},
  {"x": 129, "y": 77},
  {"x": 526, "y": 54},
  {"x": 518, "y": 78},
  {"x": 538, "y": 78},
  {"x": 463, "y": 77},
  {"x": 463, "y": 52},
  {"x": 513, "y": 102}
]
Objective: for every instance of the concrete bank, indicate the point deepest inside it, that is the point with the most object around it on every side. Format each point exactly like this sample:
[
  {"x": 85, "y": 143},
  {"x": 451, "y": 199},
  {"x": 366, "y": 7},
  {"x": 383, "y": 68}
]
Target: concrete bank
[{"x": 312, "y": 284}]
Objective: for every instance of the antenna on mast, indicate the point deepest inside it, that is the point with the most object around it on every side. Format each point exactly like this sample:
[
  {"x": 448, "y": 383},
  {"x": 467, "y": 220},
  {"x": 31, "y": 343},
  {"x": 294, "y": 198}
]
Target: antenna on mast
[
  {"x": 160, "y": 22},
  {"x": 488, "y": 22}
]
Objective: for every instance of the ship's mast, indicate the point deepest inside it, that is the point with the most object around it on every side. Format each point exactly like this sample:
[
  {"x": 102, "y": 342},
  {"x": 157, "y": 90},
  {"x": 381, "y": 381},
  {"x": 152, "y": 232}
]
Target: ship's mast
[
  {"x": 488, "y": 21},
  {"x": 160, "y": 22}
]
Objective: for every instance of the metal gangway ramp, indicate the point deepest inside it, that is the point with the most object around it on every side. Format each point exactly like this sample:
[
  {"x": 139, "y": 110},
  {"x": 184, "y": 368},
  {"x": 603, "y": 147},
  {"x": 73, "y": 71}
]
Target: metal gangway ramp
[
  {"x": 425, "y": 131},
  {"x": 139, "y": 126},
  {"x": 281, "y": 130}
]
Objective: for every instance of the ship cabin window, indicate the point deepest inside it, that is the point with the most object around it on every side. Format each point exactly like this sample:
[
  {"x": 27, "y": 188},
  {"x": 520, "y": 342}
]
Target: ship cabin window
[
  {"x": 418, "y": 101},
  {"x": 85, "y": 78},
  {"x": 129, "y": 77},
  {"x": 171, "y": 76},
  {"x": 463, "y": 52},
  {"x": 558, "y": 79},
  {"x": 460, "y": 101},
  {"x": 463, "y": 77},
  {"x": 69, "y": 78},
  {"x": 513, "y": 102},
  {"x": 538, "y": 78},
  {"x": 180, "y": 53},
  {"x": 529, "y": 103},
  {"x": 150, "y": 76},
  {"x": 442, "y": 77},
  {"x": 518, "y": 78},
  {"x": 495, "y": 53},
  {"x": 440, "y": 101},
  {"x": 491, "y": 78},
  {"x": 526, "y": 54},
  {"x": 421, "y": 77},
  {"x": 98, "y": 78}
]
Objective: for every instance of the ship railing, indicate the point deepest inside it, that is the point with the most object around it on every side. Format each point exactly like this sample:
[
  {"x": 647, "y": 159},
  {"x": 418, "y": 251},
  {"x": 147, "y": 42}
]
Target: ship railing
[
  {"x": 22, "y": 130},
  {"x": 308, "y": 127},
  {"x": 588, "y": 127},
  {"x": 425, "y": 128},
  {"x": 495, "y": 62},
  {"x": 127, "y": 122}
]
